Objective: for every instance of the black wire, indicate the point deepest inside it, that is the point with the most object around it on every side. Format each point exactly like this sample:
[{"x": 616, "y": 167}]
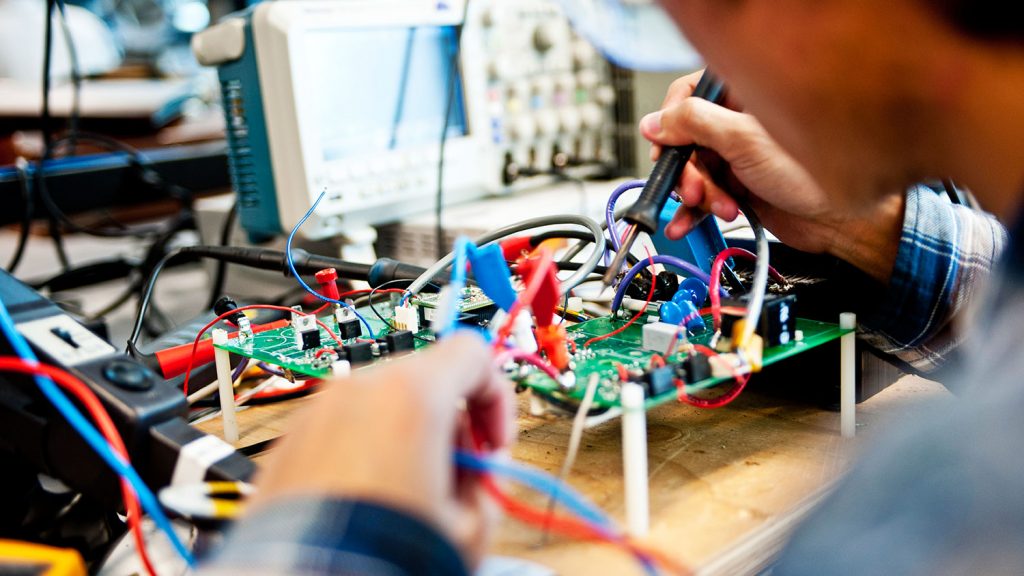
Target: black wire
[
  {"x": 147, "y": 295},
  {"x": 222, "y": 265},
  {"x": 453, "y": 76},
  {"x": 950, "y": 188},
  {"x": 76, "y": 75},
  {"x": 148, "y": 175},
  {"x": 26, "y": 218},
  {"x": 46, "y": 122}
]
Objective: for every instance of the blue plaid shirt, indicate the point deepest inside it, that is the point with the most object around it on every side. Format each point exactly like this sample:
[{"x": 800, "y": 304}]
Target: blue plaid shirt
[
  {"x": 945, "y": 256},
  {"x": 944, "y": 263}
]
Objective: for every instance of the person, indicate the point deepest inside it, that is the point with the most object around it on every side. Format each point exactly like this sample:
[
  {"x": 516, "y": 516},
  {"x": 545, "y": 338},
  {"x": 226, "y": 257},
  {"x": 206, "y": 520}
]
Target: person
[{"x": 865, "y": 98}]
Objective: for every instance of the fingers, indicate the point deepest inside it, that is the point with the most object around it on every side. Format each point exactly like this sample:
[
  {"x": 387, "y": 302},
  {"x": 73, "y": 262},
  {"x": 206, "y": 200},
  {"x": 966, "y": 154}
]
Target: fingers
[
  {"x": 700, "y": 197},
  {"x": 461, "y": 367},
  {"x": 694, "y": 120}
]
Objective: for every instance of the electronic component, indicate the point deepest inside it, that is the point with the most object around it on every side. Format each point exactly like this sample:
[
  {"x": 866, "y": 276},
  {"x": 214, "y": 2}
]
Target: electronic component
[
  {"x": 658, "y": 336},
  {"x": 659, "y": 381},
  {"x": 626, "y": 351},
  {"x": 305, "y": 331},
  {"x": 666, "y": 285},
  {"x": 350, "y": 328},
  {"x": 400, "y": 341},
  {"x": 359, "y": 352},
  {"x": 521, "y": 103},
  {"x": 695, "y": 368},
  {"x": 407, "y": 318},
  {"x": 778, "y": 318},
  {"x": 147, "y": 410}
]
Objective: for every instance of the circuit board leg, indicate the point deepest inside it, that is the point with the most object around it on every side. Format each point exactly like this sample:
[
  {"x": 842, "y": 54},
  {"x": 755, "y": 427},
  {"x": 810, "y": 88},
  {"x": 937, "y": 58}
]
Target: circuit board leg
[
  {"x": 226, "y": 386},
  {"x": 848, "y": 376},
  {"x": 634, "y": 459}
]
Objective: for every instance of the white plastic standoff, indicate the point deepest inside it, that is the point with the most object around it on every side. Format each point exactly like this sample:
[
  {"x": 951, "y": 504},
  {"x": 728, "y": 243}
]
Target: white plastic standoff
[
  {"x": 225, "y": 385},
  {"x": 634, "y": 459},
  {"x": 848, "y": 376}
]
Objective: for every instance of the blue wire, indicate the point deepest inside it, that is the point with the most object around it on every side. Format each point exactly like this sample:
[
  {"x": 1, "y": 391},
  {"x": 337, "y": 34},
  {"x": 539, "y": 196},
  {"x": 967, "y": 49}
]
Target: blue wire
[
  {"x": 539, "y": 481},
  {"x": 95, "y": 440},
  {"x": 458, "y": 281},
  {"x": 291, "y": 267}
]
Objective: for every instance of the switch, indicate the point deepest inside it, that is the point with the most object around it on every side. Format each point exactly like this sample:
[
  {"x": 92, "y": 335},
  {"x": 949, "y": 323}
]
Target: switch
[{"x": 63, "y": 334}]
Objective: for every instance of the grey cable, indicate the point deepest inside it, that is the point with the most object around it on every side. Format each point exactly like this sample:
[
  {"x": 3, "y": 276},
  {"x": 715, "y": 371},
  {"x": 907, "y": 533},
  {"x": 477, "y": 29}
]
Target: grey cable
[
  {"x": 759, "y": 285},
  {"x": 568, "y": 284}
]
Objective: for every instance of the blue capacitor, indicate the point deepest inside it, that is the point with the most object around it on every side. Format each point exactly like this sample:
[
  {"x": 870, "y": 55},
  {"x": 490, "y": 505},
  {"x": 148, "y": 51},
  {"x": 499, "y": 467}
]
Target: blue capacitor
[
  {"x": 694, "y": 321},
  {"x": 671, "y": 312},
  {"x": 697, "y": 288}
]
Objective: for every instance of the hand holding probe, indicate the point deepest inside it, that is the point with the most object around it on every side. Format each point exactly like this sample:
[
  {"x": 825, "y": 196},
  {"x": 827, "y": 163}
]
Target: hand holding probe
[{"x": 643, "y": 215}]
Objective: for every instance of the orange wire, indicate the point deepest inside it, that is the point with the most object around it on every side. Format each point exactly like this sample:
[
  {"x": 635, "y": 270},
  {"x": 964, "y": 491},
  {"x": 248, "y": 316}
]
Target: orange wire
[{"x": 106, "y": 426}]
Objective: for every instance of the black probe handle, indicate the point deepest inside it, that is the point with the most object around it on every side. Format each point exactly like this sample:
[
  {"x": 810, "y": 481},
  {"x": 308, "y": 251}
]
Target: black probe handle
[{"x": 669, "y": 167}]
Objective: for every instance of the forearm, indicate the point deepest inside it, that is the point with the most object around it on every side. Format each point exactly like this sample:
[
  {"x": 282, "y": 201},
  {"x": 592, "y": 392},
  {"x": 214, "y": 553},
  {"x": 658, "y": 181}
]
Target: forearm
[
  {"x": 942, "y": 264},
  {"x": 871, "y": 242}
]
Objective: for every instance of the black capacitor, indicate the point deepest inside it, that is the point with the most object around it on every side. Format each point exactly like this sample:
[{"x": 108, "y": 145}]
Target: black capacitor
[
  {"x": 359, "y": 352},
  {"x": 694, "y": 368},
  {"x": 400, "y": 341}
]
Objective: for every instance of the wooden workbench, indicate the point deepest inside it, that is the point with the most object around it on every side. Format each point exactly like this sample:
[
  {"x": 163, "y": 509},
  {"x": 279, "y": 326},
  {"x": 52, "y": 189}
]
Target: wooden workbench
[{"x": 726, "y": 486}]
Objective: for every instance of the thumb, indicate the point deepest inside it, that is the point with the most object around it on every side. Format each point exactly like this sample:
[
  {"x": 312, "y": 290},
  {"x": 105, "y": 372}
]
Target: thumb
[{"x": 696, "y": 121}]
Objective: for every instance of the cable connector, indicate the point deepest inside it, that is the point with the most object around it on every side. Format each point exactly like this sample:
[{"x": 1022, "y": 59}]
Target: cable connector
[{"x": 407, "y": 318}]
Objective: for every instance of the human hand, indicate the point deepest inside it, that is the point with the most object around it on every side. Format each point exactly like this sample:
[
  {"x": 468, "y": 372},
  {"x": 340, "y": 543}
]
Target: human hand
[
  {"x": 388, "y": 434},
  {"x": 738, "y": 159}
]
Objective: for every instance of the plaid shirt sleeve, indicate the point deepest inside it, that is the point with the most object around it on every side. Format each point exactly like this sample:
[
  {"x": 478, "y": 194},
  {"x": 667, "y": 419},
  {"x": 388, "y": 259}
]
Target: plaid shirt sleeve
[
  {"x": 320, "y": 536},
  {"x": 945, "y": 259}
]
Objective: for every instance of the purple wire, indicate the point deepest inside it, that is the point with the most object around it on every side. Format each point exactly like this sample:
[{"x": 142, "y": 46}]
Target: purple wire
[
  {"x": 609, "y": 212},
  {"x": 659, "y": 259},
  {"x": 239, "y": 369},
  {"x": 270, "y": 369}
]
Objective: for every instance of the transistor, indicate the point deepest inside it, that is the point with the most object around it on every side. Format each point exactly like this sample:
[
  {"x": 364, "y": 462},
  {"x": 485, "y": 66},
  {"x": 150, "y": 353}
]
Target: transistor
[{"x": 350, "y": 328}]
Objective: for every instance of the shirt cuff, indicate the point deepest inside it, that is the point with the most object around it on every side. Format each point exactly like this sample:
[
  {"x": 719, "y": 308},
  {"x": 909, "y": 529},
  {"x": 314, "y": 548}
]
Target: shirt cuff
[{"x": 312, "y": 535}]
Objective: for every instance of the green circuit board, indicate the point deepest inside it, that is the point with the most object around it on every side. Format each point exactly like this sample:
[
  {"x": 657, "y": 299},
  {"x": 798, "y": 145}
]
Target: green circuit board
[
  {"x": 279, "y": 347},
  {"x": 626, "y": 348}
]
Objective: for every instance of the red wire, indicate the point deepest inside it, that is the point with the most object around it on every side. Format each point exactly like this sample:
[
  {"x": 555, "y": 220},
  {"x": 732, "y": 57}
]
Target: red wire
[
  {"x": 716, "y": 276},
  {"x": 718, "y": 402},
  {"x": 195, "y": 343},
  {"x": 528, "y": 357},
  {"x": 566, "y": 526},
  {"x": 650, "y": 296},
  {"x": 526, "y": 296},
  {"x": 623, "y": 373},
  {"x": 106, "y": 426}
]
